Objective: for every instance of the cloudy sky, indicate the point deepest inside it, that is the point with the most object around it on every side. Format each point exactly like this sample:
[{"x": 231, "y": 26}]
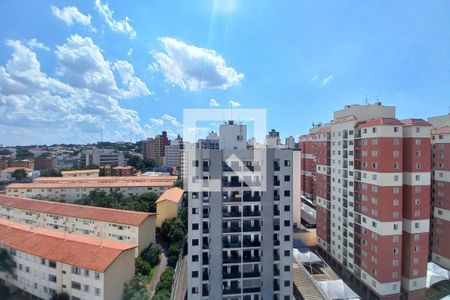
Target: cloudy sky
[{"x": 70, "y": 70}]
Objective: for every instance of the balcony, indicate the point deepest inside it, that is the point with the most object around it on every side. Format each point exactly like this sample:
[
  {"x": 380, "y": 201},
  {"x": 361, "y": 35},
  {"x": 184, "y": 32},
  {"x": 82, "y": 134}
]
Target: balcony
[
  {"x": 276, "y": 271},
  {"x": 252, "y": 199},
  {"x": 276, "y": 242},
  {"x": 228, "y": 244},
  {"x": 276, "y": 182},
  {"x": 205, "y": 291},
  {"x": 248, "y": 243},
  {"x": 231, "y": 290},
  {"x": 231, "y": 199},
  {"x": 276, "y": 212},
  {"x": 231, "y": 229},
  {"x": 231, "y": 259},
  {"x": 276, "y": 227},
  {"x": 248, "y": 228},
  {"x": 276, "y": 257},
  {"x": 231, "y": 214},
  {"x": 205, "y": 230},
  {"x": 276, "y": 197},
  {"x": 251, "y": 290},
  {"x": 231, "y": 183},
  {"x": 249, "y": 213},
  {"x": 205, "y": 275},
  {"x": 205, "y": 168},
  {"x": 248, "y": 258},
  {"x": 276, "y": 166},
  {"x": 226, "y": 168},
  {"x": 231, "y": 275}
]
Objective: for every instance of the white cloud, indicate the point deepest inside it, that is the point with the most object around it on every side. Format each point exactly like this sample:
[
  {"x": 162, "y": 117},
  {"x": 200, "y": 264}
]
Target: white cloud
[
  {"x": 56, "y": 110},
  {"x": 136, "y": 88},
  {"x": 34, "y": 44},
  {"x": 213, "y": 103},
  {"x": 130, "y": 52},
  {"x": 70, "y": 15},
  {"x": 166, "y": 122},
  {"x": 121, "y": 26},
  {"x": 234, "y": 103},
  {"x": 314, "y": 78},
  {"x": 82, "y": 64},
  {"x": 326, "y": 80},
  {"x": 194, "y": 68}
]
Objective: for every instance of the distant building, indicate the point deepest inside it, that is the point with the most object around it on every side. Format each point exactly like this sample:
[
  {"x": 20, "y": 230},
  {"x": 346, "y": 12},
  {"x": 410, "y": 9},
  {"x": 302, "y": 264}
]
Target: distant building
[
  {"x": 44, "y": 163},
  {"x": 81, "y": 173},
  {"x": 168, "y": 205},
  {"x": 124, "y": 171},
  {"x": 102, "y": 157},
  {"x": 273, "y": 139},
  {"x": 440, "y": 191},
  {"x": 51, "y": 262},
  {"x": 172, "y": 156},
  {"x": 156, "y": 148},
  {"x": 25, "y": 163}
]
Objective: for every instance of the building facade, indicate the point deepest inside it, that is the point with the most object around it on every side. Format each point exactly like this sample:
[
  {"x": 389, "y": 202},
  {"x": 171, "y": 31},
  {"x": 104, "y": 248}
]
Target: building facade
[
  {"x": 172, "y": 153},
  {"x": 240, "y": 220},
  {"x": 102, "y": 157},
  {"x": 440, "y": 213},
  {"x": 156, "y": 148},
  {"x": 137, "y": 228},
  {"x": 371, "y": 189},
  {"x": 81, "y": 173},
  {"x": 84, "y": 268},
  {"x": 168, "y": 205}
]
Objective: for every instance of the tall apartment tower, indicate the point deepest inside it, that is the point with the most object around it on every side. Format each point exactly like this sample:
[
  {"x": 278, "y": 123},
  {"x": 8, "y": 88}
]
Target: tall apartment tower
[
  {"x": 156, "y": 147},
  {"x": 371, "y": 188},
  {"x": 440, "y": 243},
  {"x": 240, "y": 219}
]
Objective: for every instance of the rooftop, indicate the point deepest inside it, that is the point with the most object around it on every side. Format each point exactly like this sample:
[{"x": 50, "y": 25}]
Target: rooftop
[
  {"x": 127, "y": 217},
  {"x": 102, "y": 179},
  {"x": 12, "y": 169},
  {"x": 86, "y": 252},
  {"x": 91, "y": 171},
  {"x": 443, "y": 130},
  {"x": 62, "y": 185},
  {"x": 174, "y": 194},
  {"x": 379, "y": 121}
]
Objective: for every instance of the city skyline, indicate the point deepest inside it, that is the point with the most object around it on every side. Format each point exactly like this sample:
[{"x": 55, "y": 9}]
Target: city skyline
[{"x": 151, "y": 61}]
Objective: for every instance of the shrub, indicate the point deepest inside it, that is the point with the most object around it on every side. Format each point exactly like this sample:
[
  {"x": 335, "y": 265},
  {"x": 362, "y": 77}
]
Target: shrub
[
  {"x": 165, "y": 281},
  {"x": 136, "y": 290},
  {"x": 142, "y": 266}
]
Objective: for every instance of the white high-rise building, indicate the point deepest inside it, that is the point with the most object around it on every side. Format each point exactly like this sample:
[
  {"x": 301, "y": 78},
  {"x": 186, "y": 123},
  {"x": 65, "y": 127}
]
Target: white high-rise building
[{"x": 241, "y": 219}]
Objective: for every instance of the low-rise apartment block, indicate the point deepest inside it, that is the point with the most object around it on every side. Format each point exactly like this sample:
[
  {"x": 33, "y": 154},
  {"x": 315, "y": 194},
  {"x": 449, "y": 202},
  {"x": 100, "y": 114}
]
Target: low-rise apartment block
[
  {"x": 168, "y": 205},
  {"x": 440, "y": 243},
  {"x": 137, "y": 228},
  {"x": 49, "y": 262},
  {"x": 81, "y": 173}
]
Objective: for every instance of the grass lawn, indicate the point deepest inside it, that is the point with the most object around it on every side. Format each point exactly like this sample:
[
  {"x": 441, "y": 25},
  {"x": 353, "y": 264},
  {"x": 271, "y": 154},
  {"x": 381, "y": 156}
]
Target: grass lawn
[{"x": 148, "y": 278}]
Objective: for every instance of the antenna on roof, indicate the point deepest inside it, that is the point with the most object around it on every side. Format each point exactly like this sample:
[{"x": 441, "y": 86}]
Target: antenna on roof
[{"x": 367, "y": 100}]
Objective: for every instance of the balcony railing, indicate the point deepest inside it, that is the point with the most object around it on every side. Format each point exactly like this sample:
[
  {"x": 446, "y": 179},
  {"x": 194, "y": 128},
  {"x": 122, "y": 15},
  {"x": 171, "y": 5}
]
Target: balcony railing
[
  {"x": 255, "y": 258},
  {"x": 231, "y": 259},
  {"x": 231, "y": 214},
  {"x": 252, "y": 199},
  {"x": 231, "y": 229},
  {"x": 231, "y": 183},
  {"x": 231, "y": 275},
  {"x": 233, "y": 290},
  {"x": 256, "y": 213},
  {"x": 205, "y": 275},
  {"x": 252, "y": 290},
  {"x": 252, "y": 243},
  {"x": 231, "y": 199},
  {"x": 248, "y": 228},
  {"x": 227, "y": 244}
]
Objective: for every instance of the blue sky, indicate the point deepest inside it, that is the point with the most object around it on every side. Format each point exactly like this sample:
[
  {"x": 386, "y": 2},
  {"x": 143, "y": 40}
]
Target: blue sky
[{"x": 71, "y": 69}]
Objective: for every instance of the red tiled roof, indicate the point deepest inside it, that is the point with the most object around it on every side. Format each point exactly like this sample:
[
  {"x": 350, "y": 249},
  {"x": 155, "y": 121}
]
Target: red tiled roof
[
  {"x": 123, "y": 168},
  {"x": 119, "y": 216},
  {"x": 415, "y": 122},
  {"x": 105, "y": 179},
  {"x": 174, "y": 194},
  {"x": 86, "y": 252},
  {"x": 344, "y": 119},
  {"x": 58, "y": 185},
  {"x": 81, "y": 171},
  {"x": 443, "y": 130},
  {"x": 379, "y": 121}
]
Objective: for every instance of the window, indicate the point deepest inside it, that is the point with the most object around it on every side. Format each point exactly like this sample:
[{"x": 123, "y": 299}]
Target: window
[
  {"x": 195, "y": 242},
  {"x": 287, "y": 193},
  {"x": 287, "y": 163},
  {"x": 194, "y": 211},
  {"x": 86, "y": 288},
  {"x": 76, "y": 285},
  {"x": 97, "y": 291},
  {"x": 43, "y": 261},
  {"x": 287, "y": 208},
  {"x": 287, "y": 223},
  {"x": 287, "y": 283},
  {"x": 86, "y": 272},
  {"x": 396, "y": 251},
  {"x": 76, "y": 270},
  {"x": 396, "y": 202},
  {"x": 287, "y": 252},
  {"x": 52, "y": 264},
  {"x": 194, "y": 257},
  {"x": 97, "y": 275},
  {"x": 194, "y": 226},
  {"x": 287, "y": 238},
  {"x": 287, "y": 268},
  {"x": 194, "y": 274},
  {"x": 51, "y": 278},
  {"x": 287, "y": 178},
  {"x": 396, "y": 190},
  {"x": 418, "y": 153}
]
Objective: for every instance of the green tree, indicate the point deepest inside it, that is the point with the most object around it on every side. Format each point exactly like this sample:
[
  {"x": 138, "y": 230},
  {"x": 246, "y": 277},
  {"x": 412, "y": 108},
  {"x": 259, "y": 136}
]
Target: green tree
[
  {"x": 23, "y": 153},
  {"x": 61, "y": 296},
  {"x": 146, "y": 165},
  {"x": 51, "y": 173},
  {"x": 151, "y": 254},
  {"x": 5, "y": 152},
  {"x": 136, "y": 290},
  {"x": 19, "y": 174},
  {"x": 183, "y": 216},
  {"x": 6, "y": 262},
  {"x": 165, "y": 281},
  {"x": 179, "y": 183},
  {"x": 134, "y": 161},
  {"x": 142, "y": 267}
]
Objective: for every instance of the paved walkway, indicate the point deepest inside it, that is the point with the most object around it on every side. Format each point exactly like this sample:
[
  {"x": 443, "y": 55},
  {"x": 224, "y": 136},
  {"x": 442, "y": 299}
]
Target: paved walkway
[{"x": 157, "y": 274}]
